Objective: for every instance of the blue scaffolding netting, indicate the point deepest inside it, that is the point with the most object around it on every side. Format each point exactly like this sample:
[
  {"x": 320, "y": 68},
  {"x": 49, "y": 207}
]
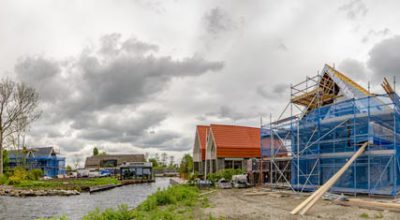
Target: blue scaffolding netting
[{"x": 321, "y": 140}]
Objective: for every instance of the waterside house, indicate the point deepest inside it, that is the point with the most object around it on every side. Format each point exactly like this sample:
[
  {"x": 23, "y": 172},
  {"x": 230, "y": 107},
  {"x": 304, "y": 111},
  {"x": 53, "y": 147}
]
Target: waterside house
[
  {"x": 112, "y": 161},
  {"x": 46, "y": 159}
]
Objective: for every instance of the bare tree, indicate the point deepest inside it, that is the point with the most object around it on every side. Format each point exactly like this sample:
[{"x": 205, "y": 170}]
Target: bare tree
[
  {"x": 171, "y": 160},
  {"x": 76, "y": 161},
  {"x": 18, "y": 108},
  {"x": 164, "y": 157}
]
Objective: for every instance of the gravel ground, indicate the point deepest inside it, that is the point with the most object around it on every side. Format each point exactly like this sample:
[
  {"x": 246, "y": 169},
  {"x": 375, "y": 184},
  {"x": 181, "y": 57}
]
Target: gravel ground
[{"x": 234, "y": 204}]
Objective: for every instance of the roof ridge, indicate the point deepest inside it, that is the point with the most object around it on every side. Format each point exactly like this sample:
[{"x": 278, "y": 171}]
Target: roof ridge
[{"x": 225, "y": 125}]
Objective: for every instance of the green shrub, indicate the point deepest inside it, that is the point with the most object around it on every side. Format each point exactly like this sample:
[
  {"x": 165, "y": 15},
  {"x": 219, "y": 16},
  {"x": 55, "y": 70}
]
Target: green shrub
[
  {"x": 3, "y": 180},
  {"x": 170, "y": 196},
  {"x": 35, "y": 174},
  {"x": 18, "y": 176}
]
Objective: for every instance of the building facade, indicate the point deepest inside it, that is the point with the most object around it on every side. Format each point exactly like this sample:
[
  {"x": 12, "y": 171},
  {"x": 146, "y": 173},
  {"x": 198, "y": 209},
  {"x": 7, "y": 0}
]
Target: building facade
[
  {"x": 230, "y": 146},
  {"x": 199, "y": 149},
  {"x": 46, "y": 159},
  {"x": 112, "y": 161}
]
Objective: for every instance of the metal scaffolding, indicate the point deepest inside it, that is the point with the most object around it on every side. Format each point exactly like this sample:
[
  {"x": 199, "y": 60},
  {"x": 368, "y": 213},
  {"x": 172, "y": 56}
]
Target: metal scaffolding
[{"x": 330, "y": 116}]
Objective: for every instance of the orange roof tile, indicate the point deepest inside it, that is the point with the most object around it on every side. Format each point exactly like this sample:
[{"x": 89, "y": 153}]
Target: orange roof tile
[
  {"x": 202, "y": 131},
  {"x": 236, "y": 141}
]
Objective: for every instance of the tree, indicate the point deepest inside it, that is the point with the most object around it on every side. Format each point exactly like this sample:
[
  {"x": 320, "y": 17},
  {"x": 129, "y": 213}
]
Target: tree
[
  {"x": 164, "y": 157},
  {"x": 76, "y": 161},
  {"x": 95, "y": 151},
  {"x": 68, "y": 169},
  {"x": 103, "y": 153},
  {"x": 186, "y": 165},
  {"x": 153, "y": 162},
  {"x": 18, "y": 108},
  {"x": 171, "y": 161},
  {"x": 5, "y": 159}
]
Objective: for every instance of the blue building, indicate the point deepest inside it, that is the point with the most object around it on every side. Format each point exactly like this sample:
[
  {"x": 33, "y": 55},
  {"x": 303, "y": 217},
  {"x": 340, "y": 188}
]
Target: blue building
[{"x": 43, "y": 158}]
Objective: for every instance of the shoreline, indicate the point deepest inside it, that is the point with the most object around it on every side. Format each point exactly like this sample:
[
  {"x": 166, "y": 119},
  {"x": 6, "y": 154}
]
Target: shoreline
[{"x": 13, "y": 191}]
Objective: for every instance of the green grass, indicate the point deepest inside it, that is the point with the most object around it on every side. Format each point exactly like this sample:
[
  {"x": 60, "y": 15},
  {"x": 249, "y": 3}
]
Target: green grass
[
  {"x": 364, "y": 215},
  {"x": 77, "y": 184},
  {"x": 174, "y": 203}
]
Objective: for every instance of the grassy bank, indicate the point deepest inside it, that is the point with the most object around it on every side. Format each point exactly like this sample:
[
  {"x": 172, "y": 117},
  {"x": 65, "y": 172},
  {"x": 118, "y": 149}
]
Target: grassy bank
[
  {"x": 72, "y": 184},
  {"x": 179, "y": 202}
]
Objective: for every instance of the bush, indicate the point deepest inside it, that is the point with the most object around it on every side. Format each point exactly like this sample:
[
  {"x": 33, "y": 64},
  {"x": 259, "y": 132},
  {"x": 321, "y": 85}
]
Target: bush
[
  {"x": 3, "y": 180},
  {"x": 169, "y": 196},
  {"x": 19, "y": 175},
  {"x": 35, "y": 174}
]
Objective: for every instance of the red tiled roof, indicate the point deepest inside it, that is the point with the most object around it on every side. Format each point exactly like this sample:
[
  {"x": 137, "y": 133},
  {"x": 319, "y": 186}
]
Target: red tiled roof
[
  {"x": 202, "y": 131},
  {"x": 236, "y": 141}
]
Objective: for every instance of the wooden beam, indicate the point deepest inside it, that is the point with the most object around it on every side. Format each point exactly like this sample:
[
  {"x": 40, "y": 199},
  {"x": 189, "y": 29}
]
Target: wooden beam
[{"x": 310, "y": 201}]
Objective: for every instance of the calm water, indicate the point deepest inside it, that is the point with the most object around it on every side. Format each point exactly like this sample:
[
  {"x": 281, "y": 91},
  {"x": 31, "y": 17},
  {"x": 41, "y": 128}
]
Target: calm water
[{"x": 12, "y": 208}]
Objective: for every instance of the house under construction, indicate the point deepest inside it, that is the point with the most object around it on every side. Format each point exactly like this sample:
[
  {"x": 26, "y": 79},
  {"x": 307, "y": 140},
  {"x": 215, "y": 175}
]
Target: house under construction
[{"x": 329, "y": 117}]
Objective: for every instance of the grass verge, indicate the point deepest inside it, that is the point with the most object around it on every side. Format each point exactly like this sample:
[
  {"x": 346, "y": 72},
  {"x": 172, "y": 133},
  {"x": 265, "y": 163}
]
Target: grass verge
[{"x": 174, "y": 203}]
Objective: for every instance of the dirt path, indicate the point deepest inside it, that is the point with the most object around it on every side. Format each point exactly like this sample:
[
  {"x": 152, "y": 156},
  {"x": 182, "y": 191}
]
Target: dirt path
[{"x": 233, "y": 204}]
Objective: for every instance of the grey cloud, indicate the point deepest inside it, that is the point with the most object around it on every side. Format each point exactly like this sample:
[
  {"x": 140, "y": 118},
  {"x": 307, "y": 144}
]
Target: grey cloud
[
  {"x": 97, "y": 94},
  {"x": 274, "y": 92},
  {"x": 218, "y": 21},
  {"x": 282, "y": 47},
  {"x": 353, "y": 68},
  {"x": 384, "y": 57},
  {"x": 227, "y": 112},
  {"x": 43, "y": 74},
  {"x": 112, "y": 45},
  {"x": 119, "y": 127},
  {"x": 354, "y": 9},
  {"x": 374, "y": 34}
]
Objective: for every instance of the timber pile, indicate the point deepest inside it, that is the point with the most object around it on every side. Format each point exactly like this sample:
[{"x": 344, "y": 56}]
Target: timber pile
[{"x": 310, "y": 201}]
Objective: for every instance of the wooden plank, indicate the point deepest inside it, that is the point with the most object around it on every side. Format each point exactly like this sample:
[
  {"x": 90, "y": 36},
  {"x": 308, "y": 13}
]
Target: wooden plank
[
  {"x": 334, "y": 179},
  {"x": 256, "y": 193},
  {"x": 310, "y": 201},
  {"x": 206, "y": 193}
]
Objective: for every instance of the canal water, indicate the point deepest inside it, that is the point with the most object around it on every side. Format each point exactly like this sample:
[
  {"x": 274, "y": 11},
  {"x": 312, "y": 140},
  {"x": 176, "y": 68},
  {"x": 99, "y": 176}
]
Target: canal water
[{"x": 75, "y": 207}]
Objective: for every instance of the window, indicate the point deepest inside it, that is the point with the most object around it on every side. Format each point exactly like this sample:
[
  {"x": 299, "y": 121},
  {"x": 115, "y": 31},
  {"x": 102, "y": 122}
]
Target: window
[
  {"x": 228, "y": 164},
  {"x": 108, "y": 163},
  {"x": 237, "y": 164}
]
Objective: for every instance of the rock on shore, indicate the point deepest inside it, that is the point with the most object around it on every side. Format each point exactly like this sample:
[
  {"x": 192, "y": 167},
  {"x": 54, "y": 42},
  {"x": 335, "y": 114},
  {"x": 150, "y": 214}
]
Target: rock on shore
[{"x": 9, "y": 191}]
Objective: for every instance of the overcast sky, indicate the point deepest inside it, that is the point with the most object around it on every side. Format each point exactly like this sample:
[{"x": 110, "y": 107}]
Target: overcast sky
[{"x": 137, "y": 76}]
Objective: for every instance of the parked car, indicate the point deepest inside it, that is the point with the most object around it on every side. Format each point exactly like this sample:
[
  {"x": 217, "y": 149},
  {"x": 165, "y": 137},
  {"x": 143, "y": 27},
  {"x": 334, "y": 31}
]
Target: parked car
[
  {"x": 47, "y": 178},
  {"x": 83, "y": 173},
  {"x": 104, "y": 173}
]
